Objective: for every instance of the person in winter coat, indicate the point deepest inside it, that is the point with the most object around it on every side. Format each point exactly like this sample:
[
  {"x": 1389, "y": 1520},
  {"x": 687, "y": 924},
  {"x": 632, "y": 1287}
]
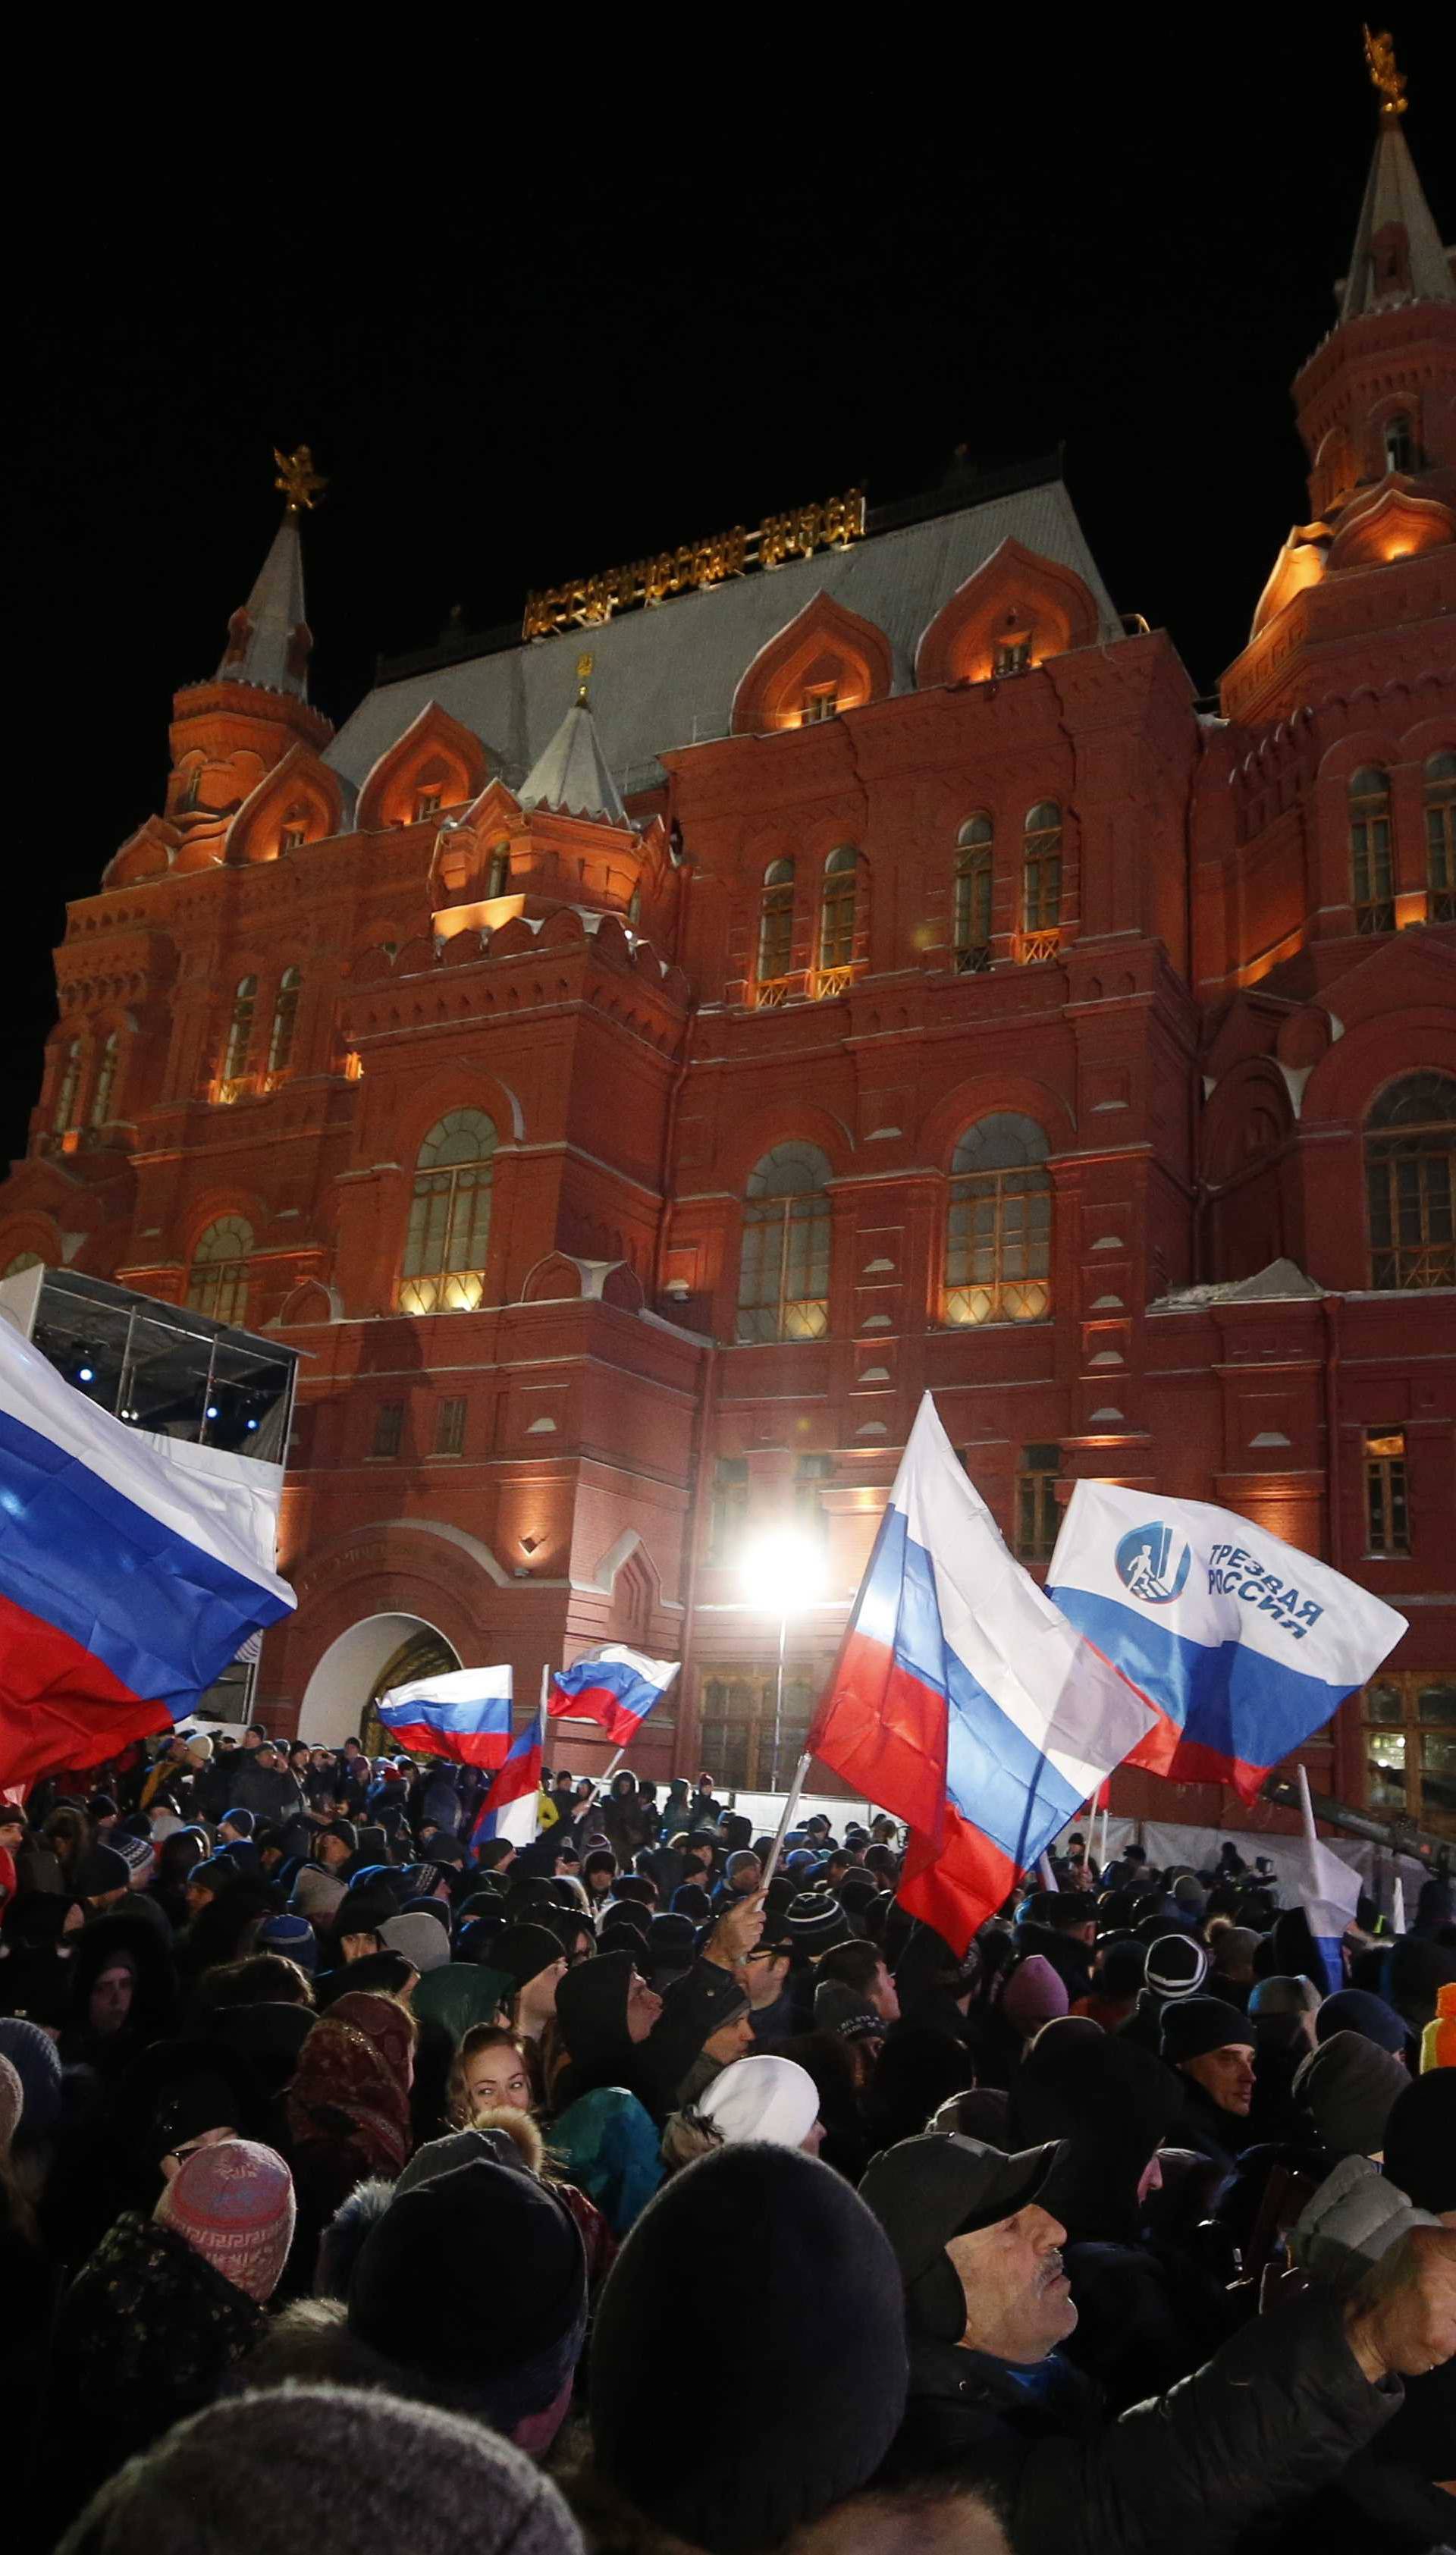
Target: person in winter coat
[
  {"x": 348, "y": 2107},
  {"x": 163, "y": 2308},
  {"x": 263, "y": 1784},
  {"x": 616, "y": 2030},
  {"x": 623, "y": 1820},
  {"x": 1267, "y": 2422},
  {"x": 1211, "y": 2045}
]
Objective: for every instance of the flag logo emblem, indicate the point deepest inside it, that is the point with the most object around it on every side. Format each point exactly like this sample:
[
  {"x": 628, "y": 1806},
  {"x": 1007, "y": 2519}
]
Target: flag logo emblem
[{"x": 1146, "y": 1567}]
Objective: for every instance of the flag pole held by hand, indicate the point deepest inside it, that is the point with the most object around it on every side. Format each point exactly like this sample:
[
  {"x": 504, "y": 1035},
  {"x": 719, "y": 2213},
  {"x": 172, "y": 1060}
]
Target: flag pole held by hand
[{"x": 791, "y": 1805}]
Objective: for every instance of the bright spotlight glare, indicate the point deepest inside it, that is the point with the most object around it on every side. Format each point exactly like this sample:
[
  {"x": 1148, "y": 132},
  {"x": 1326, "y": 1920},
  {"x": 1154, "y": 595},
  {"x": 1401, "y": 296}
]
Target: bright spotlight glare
[{"x": 783, "y": 1571}]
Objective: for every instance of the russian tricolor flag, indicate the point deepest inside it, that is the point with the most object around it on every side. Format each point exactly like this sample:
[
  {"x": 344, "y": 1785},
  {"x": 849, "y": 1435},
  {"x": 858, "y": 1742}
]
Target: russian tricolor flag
[
  {"x": 618, "y": 1688},
  {"x": 962, "y": 1701},
  {"x": 1241, "y": 1644},
  {"x": 512, "y": 1806},
  {"x": 133, "y": 1568},
  {"x": 464, "y": 1715}
]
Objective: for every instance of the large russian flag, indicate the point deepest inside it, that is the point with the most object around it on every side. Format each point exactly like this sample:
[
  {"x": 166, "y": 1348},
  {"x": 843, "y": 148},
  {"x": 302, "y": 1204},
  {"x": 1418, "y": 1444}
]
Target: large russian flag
[
  {"x": 464, "y": 1715},
  {"x": 618, "y": 1688},
  {"x": 512, "y": 1806},
  {"x": 133, "y": 1568},
  {"x": 1241, "y": 1644},
  {"x": 962, "y": 1701}
]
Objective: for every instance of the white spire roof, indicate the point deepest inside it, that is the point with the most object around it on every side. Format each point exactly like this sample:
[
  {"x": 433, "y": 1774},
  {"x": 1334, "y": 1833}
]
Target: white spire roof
[
  {"x": 571, "y": 775},
  {"x": 267, "y": 626},
  {"x": 1393, "y": 194}
]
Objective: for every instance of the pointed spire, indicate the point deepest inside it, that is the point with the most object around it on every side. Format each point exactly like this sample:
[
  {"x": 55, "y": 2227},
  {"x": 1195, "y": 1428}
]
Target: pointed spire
[
  {"x": 571, "y": 776},
  {"x": 1398, "y": 256},
  {"x": 269, "y": 639}
]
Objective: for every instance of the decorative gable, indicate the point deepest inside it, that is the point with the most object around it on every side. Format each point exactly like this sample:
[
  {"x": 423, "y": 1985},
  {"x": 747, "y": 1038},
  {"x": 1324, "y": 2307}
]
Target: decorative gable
[
  {"x": 826, "y": 660},
  {"x": 300, "y": 802},
  {"x": 1015, "y": 611},
  {"x": 437, "y": 764}
]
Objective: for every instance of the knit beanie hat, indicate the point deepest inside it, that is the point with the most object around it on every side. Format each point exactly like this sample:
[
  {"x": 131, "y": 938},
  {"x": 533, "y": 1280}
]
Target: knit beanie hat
[
  {"x": 842, "y": 2009},
  {"x": 785, "y": 2248},
  {"x": 138, "y": 1855},
  {"x": 1035, "y": 1993},
  {"x": 37, "y": 2062},
  {"x": 239, "y": 1819},
  {"x": 293, "y": 1936},
  {"x": 523, "y": 1951},
  {"x": 317, "y": 1893},
  {"x": 234, "y": 2204},
  {"x": 1194, "y": 2026},
  {"x": 765, "y": 2097},
  {"x": 477, "y": 2278},
  {"x": 332, "y": 2468},
  {"x": 461, "y": 2146},
  {"x": 424, "y": 1945},
  {"x": 1190, "y": 1893},
  {"x": 1177, "y": 1966},
  {"x": 1351, "y": 2088},
  {"x": 1355, "y": 2010},
  {"x": 12, "y": 2103},
  {"x": 1421, "y": 2142},
  {"x": 1279, "y": 2000},
  {"x": 1124, "y": 1968},
  {"x": 670, "y": 1943},
  {"x": 365, "y": 1906},
  {"x": 199, "y": 1747},
  {"x": 100, "y": 1870},
  {"x": 217, "y": 1874},
  {"x": 591, "y": 2009},
  {"x": 816, "y": 1922}
]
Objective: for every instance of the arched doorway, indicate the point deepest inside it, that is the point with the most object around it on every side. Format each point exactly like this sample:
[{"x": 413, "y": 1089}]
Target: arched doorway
[{"x": 361, "y": 1666}]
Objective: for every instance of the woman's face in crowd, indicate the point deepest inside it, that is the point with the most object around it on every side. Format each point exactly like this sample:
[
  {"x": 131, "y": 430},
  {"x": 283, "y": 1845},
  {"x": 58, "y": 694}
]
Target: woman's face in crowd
[
  {"x": 497, "y": 2076},
  {"x": 111, "y": 1999}
]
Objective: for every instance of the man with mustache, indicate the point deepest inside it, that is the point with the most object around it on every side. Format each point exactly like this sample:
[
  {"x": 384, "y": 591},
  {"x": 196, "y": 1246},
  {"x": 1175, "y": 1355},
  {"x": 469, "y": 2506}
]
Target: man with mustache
[{"x": 1272, "y": 2417}]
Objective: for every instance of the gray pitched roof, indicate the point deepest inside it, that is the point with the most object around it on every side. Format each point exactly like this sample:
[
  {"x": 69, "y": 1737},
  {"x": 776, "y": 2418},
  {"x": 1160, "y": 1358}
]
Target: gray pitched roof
[
  {"x": 1393, "y": 194},
  {"x": 570, "y": 775},
  {"x": 274, "y": 611},
  {"x": 667, "y": 676}
]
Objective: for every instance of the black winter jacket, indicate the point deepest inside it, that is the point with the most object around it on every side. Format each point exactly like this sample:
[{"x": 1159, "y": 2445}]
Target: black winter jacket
[{"x": 1271, "y": 2418}]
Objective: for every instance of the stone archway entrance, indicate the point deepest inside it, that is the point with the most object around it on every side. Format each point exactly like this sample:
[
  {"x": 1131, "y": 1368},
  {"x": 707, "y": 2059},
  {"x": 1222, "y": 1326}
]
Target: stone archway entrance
[{"x": 361, "y": 1666}]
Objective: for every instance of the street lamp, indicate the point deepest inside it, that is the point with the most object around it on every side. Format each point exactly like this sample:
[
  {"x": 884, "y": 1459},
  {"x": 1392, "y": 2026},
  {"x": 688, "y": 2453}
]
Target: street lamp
[{"x": 783, "y": 1572}]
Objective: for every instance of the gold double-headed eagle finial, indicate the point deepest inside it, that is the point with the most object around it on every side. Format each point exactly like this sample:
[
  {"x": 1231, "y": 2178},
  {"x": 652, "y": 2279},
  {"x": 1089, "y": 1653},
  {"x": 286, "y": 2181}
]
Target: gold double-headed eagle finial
[
  {"x": 297, "y": 478},
  {"x": 1380, "y": 57},
  {"x": 583, "y": 680}
]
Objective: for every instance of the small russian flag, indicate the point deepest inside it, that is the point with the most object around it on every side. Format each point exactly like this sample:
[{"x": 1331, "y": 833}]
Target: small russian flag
[
  {"x": 464, "y": 1715},
  {"x": 512, "y": 1806},
  {"x": 618, "y": 1688}
]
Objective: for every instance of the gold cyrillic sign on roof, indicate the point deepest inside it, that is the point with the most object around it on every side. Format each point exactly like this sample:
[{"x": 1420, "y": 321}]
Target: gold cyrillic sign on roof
[{"x": 797, "y": 535}]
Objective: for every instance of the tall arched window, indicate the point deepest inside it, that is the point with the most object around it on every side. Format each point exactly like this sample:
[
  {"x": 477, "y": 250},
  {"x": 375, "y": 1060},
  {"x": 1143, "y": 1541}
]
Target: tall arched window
[
  {"x": 449, "y": 1217},
  {"x": 1399, "y": 440},
  {"x": 106, "y": 1080},
  {"x": 998, "y": 1235},
  {"x": 217, "y": 1282},
  {"x": 1041, "y": 867},
  {"x": 66, "y": 1089},
  {"x": 776, "y": 923},
  {"x": 1410, "y": 1181},
  {"x": 837, "y": 914},
  {"x": 973, "y": 895},
  {"x": 239, "y": 1029},
  {"x": 285, "y": 1017},
  {"x": 783, "y": 1271},
  {"x": 1440, "y": 837},
  {"x": 1370, "y": 851}
]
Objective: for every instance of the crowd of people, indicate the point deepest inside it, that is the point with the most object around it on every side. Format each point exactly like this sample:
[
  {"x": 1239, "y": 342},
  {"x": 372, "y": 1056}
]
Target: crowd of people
[{"x": 360, "y": 2189}]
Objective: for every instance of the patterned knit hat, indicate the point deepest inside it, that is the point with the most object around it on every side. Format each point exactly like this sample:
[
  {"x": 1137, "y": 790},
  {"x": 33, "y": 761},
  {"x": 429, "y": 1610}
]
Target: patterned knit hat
[
  {"x": 138, "y": 1857},
  {"x": 234, "y": 2204},
  {"x": 12, "y": 2103},
  {"x": 816, "y": 1922},
  {"x": 1178, "y": 1965},
  {"x": 293, "y": 1936}
]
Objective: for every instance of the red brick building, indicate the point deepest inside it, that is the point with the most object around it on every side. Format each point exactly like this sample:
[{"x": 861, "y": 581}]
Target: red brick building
[{"x": 630, "y": 1094}]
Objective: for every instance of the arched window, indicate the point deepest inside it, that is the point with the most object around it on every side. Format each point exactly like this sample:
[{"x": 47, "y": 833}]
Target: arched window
[
  {"x": 776, "y": 921},
  {"x": 239, "y": 1029},
  {"x": 1370, "y": 851},
  {"x": 783, "y": 1272},
  {"x": 973, "y": 895},
  {"x": 998, "y": 1235},
  {"x": 23, "y": 1260},
  {"x": 1399, "y": 439},
  {"x": 1440, "y": 837},
  {"x": 106, "y": 1080},
  {"x": 284, "y": 1015},
  {"x": 1410, "y": 1180},
  {"x": 449, "y": 1217},
  {"x": 217, "y": 1282},
  {"x": 1041, "y": 867},
  {"x": 498, "y": 876},
  {"x": 837, "y": 914},
  {"x": 66, "y": 1089}
]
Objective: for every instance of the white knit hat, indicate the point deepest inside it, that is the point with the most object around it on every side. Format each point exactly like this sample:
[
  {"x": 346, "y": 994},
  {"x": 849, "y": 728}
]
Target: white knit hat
[{"x": 763, "y": 2098}]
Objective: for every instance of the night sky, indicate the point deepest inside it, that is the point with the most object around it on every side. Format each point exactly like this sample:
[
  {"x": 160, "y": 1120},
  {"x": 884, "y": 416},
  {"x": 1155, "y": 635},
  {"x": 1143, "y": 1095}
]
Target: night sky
[{"x": 529, "y": 330}]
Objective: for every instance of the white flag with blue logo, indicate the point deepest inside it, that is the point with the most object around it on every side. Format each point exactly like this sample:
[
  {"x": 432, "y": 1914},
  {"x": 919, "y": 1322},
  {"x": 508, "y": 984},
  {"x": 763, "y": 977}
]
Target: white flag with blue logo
[{"x": 1241, "y": 1644}]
